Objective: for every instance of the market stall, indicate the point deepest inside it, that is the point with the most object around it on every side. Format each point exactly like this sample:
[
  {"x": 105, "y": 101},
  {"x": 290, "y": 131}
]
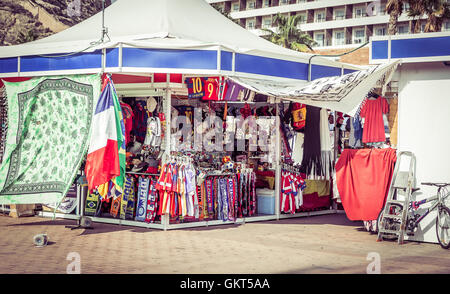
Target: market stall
[{"x": 162, "y": 63}]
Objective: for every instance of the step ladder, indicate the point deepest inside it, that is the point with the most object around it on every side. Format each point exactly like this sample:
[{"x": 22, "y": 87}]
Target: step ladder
[{"x": 395, "y": 211}]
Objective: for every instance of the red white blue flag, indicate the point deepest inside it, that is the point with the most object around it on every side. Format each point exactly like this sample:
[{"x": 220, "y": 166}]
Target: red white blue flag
[{"x": 106, "y": 155}]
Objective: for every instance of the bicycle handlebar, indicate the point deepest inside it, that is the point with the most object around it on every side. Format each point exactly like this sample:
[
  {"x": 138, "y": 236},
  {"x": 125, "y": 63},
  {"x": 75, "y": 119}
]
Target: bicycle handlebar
[{"x": 436, "y": 184}]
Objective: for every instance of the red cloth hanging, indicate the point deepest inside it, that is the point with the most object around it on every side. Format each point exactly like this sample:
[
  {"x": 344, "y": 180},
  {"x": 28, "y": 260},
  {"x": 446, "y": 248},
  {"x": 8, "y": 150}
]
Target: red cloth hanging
[{"x": 363, "y": 177}]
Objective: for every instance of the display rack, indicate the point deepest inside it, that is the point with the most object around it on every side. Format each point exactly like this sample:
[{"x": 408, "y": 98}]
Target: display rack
[{"x": 166, "y": 149}]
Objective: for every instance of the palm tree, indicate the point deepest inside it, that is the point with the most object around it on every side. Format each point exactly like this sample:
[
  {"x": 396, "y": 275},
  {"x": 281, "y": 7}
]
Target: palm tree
[
  {"x": 289, "y": 35},
  {"x": 394, "y": 8},
  {"x": 437, "y": 11}
]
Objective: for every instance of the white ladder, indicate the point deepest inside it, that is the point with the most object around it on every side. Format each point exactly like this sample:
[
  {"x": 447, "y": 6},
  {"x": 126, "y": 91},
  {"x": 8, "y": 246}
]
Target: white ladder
[{"x": 395, "y": 211}]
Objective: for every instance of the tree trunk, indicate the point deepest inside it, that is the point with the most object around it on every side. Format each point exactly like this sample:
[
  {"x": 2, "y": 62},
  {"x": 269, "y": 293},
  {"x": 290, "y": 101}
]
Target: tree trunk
[{"x": 393, "y": 19}]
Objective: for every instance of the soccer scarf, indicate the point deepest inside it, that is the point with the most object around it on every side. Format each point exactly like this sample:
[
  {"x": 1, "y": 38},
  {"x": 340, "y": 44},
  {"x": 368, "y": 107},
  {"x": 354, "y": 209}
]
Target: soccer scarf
[
  {"x": 115, "y": 207},
  {"x": 152, "y": 203},
  {"x": 224, "y": 194},
  {"x": 209, "y": 196},
  {"x": 231, "y": 198},
  {"x": 143, "y": 188},
  {"x": 126, "y": 195},
  {"x": 92, "y": 204},
  {"x": 131, "y": 202}
]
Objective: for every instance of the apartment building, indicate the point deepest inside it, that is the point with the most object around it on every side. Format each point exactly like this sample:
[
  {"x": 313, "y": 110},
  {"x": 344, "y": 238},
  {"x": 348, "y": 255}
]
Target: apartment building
[{"x": 333, "y": 24}]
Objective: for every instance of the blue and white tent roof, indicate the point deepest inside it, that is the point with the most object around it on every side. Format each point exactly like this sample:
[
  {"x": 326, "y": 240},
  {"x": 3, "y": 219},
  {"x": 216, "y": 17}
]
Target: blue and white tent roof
[{"x": 182, "y": 36}]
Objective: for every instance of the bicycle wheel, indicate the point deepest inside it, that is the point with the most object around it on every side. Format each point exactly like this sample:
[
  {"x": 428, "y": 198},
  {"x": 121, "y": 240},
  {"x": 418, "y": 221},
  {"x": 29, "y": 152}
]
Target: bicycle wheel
[
  {"x": 391, "y": 224},
  {"x": 443, "y": 227}
]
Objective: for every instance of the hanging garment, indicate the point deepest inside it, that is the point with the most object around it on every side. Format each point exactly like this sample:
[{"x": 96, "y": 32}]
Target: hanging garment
[
  {"x": 233, "y": 91},
  {"x": 325, "y": 145},
  {"x": 153, "y": 134},
  {"x": 297, "y": 150},
  {"x": 354, "y": 140},
  {"x": 372, "y": 111},
  {"x": 196, "y": 87},
  {"x": 363, "y": 179},
  {"x": 298, "y": 116},
  {"x": 127, "y": 113},
  {"x": 140, "y": 121},
  {"x": 312, "y": 163}
]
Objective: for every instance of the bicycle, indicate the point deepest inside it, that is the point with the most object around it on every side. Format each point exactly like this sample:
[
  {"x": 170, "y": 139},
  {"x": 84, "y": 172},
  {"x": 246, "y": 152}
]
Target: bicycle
[{"x": 414, "y": 219}]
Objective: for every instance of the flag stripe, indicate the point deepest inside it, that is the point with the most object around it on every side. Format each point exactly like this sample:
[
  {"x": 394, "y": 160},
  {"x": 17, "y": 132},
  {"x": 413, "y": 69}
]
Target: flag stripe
[{"x": 103, "y": 129}]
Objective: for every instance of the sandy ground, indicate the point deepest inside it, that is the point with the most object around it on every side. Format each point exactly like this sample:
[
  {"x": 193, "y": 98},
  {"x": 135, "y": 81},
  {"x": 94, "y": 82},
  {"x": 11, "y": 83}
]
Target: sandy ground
[{"x": 320, "y": 244}]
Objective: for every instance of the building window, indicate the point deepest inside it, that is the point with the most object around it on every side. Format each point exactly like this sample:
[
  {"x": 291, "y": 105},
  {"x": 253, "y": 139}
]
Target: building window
[
  {"x": 302, "y": 18},
  {"x": 267, "y": 23},
  {"x": 320, "y": 39},
  {"x": 359, "y": 36},
  {"x": 251, "y": 4},
  {"x": 406, "y": 7},
  {"x": 380, "y": 31},
  {"x": 235, "y": 7},
  {"x": 266, "y": 3},
  {"x": 320, "y": 16},
  {"x": 358, "y": 12},
  {"x": 403, "y": 30},
  {"x": 339, "y": 14},
  {"x": 250, "y": 25},
  {"x": 339, "y": 38},
  {"x": 284, "y": 2}
]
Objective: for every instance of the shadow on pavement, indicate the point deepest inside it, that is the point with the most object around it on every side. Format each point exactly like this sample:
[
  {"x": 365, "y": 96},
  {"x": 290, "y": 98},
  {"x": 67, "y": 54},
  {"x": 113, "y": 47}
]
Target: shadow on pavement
[{"x": 98, "y": 228}]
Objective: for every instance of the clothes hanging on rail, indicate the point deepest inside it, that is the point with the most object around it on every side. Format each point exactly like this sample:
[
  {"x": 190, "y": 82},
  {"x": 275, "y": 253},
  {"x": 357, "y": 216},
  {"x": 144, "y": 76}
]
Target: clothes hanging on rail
[
  {"x": 177, "y": 190},
  {"x": 292, "y": 186}
]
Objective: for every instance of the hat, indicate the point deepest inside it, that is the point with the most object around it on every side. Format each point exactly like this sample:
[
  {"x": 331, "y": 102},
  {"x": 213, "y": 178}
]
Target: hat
[{"x": 151, "y": 104}]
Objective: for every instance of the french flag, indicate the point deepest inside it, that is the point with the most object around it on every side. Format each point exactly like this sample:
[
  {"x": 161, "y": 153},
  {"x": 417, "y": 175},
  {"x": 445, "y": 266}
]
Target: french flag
[{"x": 106, "y": 155}]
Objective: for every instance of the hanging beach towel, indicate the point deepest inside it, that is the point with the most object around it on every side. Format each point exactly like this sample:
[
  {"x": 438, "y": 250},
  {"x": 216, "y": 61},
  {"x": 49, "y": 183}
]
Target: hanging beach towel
[{"x": 49, "y": 125}]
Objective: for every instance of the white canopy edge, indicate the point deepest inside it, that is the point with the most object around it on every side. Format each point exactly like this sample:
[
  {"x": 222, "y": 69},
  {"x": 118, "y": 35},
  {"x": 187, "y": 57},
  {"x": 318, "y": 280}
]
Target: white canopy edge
[{"x": 343, "y": 93}]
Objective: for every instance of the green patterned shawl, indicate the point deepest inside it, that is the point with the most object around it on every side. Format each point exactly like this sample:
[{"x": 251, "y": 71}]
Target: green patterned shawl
[{"x": 49, "y": 121}]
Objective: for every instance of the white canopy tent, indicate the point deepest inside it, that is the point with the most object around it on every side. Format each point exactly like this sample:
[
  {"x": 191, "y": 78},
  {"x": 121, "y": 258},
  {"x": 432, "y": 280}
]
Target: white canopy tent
[{"x": 188, "y": 38}]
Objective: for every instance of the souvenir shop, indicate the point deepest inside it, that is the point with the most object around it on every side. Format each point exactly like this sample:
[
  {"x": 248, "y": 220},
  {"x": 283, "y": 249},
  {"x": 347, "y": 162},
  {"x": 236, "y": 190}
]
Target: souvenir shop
[
  {"x": 197, "y": 155},
  {"x": 179, "y": 177},
  {"x": 220, "y": 128}
]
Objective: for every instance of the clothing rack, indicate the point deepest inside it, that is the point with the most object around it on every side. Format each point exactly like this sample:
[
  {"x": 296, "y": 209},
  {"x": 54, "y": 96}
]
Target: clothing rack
[{"x": 141, "y": 174}]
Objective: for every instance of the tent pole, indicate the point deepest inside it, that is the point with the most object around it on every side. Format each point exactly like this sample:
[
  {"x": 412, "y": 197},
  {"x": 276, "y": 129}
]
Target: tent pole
[
  {"x": 165, "y": 220},
  {"x": 278, "y": 164}
]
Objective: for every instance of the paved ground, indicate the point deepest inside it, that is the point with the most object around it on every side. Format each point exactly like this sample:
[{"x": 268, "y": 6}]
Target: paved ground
[{"x": 320, "y": 244}]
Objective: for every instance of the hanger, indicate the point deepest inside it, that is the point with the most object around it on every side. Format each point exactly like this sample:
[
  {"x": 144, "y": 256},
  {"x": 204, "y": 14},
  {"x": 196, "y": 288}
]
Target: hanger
[{"x": 372, "y": 95}]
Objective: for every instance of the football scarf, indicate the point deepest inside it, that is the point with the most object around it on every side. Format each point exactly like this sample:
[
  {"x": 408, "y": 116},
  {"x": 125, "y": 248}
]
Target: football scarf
[
  {"x": 152, "y": 203},
  {"x": 92, "y": 204},
  {"x": 142, "y": 197},
  {"x": 115, "y": 207},
  {"x": 231, "y": 197},
  {"x": 127, "y": 191}
]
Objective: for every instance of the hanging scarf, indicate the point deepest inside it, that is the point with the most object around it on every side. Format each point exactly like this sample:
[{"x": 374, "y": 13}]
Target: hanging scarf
[
  {"x": 311, "y": 163},
  {"x": 325, "y": 144},
  {"x": 143, "y": 188},
  {"x": 152, "y": 203}
]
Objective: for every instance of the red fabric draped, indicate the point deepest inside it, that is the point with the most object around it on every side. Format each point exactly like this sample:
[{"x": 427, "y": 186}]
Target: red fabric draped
[{"x": 363, "y": 177}]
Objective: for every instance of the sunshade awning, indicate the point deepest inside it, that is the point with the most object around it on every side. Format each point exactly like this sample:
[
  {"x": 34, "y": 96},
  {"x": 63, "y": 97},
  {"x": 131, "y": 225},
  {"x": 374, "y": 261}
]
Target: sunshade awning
[{"x": 339, "y": 93}]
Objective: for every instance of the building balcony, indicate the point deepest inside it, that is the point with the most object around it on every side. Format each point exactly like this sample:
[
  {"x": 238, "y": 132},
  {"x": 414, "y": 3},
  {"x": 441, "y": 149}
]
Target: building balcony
[{"x": 290, "y": 7}]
